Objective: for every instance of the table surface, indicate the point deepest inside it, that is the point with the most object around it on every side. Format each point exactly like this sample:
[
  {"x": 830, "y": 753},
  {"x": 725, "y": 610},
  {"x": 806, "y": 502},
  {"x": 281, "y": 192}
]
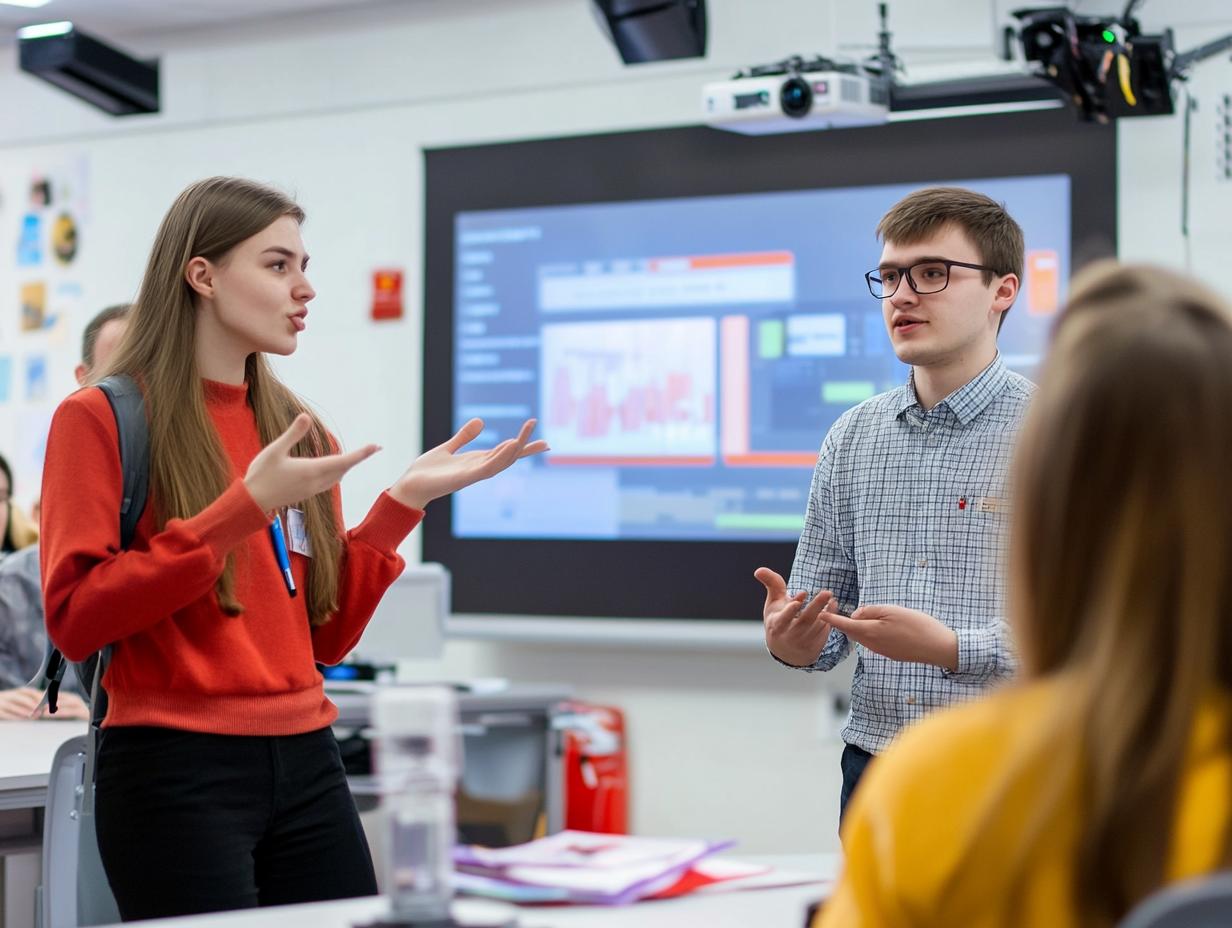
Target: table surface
[
  {"x": 27, "y": 748},
  {"x": 26, "y": 752},
  {"x": 750, "y": 908}
]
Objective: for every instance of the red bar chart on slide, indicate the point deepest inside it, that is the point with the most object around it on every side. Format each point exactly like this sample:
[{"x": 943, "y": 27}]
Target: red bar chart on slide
[{"x": 631, "y": 392}]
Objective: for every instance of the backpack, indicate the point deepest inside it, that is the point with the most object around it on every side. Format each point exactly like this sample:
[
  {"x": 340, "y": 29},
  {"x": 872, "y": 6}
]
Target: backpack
[{"x": 128, "y": 407}]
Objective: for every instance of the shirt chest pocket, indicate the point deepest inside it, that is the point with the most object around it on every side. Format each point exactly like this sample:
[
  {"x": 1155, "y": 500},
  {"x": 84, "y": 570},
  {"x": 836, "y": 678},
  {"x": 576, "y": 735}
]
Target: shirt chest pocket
[{"x": 976, "y": 527}]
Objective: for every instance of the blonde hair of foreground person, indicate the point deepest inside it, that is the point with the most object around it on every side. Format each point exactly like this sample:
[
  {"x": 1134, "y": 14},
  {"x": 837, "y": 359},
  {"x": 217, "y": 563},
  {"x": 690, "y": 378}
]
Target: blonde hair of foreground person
[{"x": 1106, "y": 771}]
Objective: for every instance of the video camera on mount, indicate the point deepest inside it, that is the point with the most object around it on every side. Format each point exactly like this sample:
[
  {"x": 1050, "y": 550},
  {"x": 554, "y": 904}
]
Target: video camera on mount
[{"x": 1106, "y": 66}]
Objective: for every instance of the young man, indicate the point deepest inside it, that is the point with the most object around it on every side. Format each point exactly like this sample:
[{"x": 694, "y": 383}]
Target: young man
[
  {"x": 99, "y": 340},
  {"x": 907, "y": 509},
  {"x": 23, "y": 638}
]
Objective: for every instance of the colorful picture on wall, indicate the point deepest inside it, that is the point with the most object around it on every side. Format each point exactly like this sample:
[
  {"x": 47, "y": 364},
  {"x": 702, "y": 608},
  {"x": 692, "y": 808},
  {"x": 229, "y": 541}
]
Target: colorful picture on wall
[
  {"x": 33, "y": 306},
  {"x": 36, "y": 377},
  {"x": 64, "y": 238},
  {"x": 30, "y": 241},
  {"x": 40, "y": 193},
  {"x": 6, "y": 378}
]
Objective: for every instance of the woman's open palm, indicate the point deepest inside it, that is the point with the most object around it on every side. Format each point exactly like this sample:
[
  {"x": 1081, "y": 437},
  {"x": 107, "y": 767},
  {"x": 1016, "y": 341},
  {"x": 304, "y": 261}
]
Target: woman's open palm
[{"x": 447, "y": 468}]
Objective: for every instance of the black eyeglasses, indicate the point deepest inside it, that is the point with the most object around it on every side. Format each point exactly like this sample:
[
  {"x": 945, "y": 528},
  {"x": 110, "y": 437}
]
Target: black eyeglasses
[{"x": 923, "y": 277}]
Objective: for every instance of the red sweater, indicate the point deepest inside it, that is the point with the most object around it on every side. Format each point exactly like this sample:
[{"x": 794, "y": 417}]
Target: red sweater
[{"x": 178, "y": 660}]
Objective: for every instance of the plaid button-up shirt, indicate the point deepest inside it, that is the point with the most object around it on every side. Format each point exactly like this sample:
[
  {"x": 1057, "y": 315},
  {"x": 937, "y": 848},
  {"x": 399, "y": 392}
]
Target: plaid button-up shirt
[{"x": 909, "y": 508}]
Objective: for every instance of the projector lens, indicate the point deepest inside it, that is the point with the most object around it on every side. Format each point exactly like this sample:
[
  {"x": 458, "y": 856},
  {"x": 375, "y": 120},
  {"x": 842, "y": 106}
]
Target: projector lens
[{"x": 796, "y": 97}]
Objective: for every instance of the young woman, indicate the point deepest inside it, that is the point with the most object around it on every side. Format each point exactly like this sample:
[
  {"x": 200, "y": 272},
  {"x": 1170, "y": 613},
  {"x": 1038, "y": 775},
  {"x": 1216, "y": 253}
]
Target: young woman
[
  {"x": 1106, "y": 772},
  {"x": 219, "y": 783}
]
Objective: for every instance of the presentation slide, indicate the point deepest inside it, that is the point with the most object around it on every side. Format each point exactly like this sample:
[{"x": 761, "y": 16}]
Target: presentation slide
[{"x": 685, "y": 357}]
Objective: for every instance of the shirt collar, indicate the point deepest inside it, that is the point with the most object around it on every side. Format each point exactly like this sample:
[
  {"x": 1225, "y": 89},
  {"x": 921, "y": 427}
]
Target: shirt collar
[{"x": 969, "y": 400}]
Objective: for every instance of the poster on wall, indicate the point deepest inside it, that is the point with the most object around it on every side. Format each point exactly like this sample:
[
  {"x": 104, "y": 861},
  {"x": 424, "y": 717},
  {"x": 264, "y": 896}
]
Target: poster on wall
[
  {"x": 44, "y": 248},
  {"x": 64, "y": 238},
  {"x": 33, "y": 306},
  {"x": 36, "y": 378},
  {"x": 30, "y": 243}
]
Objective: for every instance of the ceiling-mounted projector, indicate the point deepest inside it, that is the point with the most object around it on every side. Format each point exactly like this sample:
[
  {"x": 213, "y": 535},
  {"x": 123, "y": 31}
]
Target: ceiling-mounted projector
[
  {"x": 795, "y": 100},
  {"x": 89, "y": 68}
]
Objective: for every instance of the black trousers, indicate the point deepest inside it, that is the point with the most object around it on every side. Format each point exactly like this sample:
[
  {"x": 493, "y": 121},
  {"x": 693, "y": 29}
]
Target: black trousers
[
  {"x": 191, "y": 822},
  {"x": 853, "y": 762}
]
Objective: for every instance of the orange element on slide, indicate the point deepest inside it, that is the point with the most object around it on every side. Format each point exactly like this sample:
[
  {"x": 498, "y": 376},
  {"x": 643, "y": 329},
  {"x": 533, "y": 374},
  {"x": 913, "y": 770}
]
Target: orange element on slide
[
  {"x": 734, "y": 387},
  {"x": 772, "y": 459},
  {"x": 1043, "y": 283},
  {"x": 710, "y": 262},
  {"x": 629, "y": 460},
  {"x": 749, "y": 259}
]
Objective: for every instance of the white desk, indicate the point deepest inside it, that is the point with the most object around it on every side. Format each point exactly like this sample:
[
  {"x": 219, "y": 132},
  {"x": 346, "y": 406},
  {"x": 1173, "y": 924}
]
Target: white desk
[
  {"x": 26, "y": 752},
  {"x": 754, "y": 908}
]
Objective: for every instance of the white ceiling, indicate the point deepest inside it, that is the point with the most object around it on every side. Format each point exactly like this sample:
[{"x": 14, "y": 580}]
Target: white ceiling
[
  {"x": 118, "y": 19},
  {"x": 110, "y": 18}
]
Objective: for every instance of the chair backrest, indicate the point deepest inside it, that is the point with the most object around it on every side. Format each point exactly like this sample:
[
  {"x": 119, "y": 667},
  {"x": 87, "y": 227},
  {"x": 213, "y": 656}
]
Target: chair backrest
[
  {"x": 75, "y": 892},
  {"x": 1200, "y": 903}
]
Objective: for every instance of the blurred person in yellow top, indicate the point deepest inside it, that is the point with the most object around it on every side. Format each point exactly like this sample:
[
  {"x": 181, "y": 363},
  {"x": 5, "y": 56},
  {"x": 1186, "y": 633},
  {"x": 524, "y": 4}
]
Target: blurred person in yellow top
[{"x": 1105, "y": 771}]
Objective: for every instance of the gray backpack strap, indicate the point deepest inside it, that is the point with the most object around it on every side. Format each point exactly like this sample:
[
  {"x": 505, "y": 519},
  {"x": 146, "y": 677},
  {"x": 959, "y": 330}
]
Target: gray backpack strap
[
  {"x": 128, "y": 406},
  {"x": 96, "y": 719}
]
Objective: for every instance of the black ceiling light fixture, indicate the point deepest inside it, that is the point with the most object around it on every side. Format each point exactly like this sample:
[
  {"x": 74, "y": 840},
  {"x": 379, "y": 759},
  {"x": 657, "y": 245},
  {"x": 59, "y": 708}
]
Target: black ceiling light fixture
[
  {"x": 89, "y": 68},
  {"x": 655, "y": 30}
]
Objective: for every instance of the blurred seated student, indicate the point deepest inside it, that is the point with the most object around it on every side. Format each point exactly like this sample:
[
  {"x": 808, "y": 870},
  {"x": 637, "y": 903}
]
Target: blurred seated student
[
  {"x": 23, "y": 636},
  {"x": 19, "y": 530},
  {"x": 23, "y": 643},
  {"x": 1105, "y": 772}
]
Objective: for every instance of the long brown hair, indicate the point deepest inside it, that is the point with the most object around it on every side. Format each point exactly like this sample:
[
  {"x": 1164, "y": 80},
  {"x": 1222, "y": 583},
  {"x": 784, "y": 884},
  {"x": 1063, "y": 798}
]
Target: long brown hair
[
  {"x": 1120, "y": 589},
  {"x": 188, "y": 468}
]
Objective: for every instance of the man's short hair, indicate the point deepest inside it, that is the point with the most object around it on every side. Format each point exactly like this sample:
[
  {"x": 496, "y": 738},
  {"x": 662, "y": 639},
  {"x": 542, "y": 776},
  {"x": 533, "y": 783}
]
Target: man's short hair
[
  {"x": 95, "y": 325},
  {"x": 992, "y": 230}
]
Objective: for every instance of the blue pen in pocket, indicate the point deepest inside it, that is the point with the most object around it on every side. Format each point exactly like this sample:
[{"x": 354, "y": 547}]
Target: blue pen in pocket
[{"x": 280, "y": 552}]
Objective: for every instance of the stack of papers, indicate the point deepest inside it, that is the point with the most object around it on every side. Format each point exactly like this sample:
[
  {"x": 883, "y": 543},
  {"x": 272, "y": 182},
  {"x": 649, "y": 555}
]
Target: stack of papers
[{"x": 582, "y": 867}]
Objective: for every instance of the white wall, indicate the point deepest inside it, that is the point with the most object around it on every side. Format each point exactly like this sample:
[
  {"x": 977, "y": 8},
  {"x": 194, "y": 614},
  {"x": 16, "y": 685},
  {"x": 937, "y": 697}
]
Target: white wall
[{"x": 337, "y": 109}]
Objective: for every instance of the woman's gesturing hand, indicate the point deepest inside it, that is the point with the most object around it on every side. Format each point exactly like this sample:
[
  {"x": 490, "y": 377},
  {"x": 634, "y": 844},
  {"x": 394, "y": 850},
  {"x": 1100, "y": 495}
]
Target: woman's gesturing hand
[
  {"x": 446, "y": 468},
  {"x": 276, "y": 479}
]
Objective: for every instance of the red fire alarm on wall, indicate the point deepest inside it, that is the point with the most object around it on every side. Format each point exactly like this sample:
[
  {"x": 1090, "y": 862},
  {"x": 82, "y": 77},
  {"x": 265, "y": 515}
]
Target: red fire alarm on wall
[{"x": 386, "y": 294}]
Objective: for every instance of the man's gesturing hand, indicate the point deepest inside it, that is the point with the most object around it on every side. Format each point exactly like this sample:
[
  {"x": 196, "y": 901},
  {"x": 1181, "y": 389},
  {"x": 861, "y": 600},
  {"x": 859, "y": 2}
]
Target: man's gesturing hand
[
  {"x": 901, "y": 634},
  {"x": 796, "y": 627}
]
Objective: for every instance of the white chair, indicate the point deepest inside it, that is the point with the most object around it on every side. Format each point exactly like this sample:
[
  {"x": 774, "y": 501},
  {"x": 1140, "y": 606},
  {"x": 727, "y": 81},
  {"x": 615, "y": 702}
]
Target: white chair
[
  {"x": 75, "y": 892},
  {"x": 1200, "y": 903}
]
